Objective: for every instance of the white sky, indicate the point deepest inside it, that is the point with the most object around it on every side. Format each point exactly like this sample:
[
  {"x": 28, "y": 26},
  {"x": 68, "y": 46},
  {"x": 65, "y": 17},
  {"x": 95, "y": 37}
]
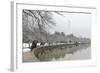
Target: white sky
[{"x": 77, "y": 23}]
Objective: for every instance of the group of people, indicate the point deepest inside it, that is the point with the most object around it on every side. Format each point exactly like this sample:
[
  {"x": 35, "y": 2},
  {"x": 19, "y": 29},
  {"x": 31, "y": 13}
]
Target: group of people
[{"x": 34, "y": 44}]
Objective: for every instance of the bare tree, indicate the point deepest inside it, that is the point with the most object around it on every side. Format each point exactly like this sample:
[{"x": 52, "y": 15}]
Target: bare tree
[{"x": 39, "y": 18}]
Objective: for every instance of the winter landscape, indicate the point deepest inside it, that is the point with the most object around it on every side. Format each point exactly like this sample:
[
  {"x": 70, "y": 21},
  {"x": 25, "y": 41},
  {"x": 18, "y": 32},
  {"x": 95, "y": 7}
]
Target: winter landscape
[{"x": 55, "y": 36}]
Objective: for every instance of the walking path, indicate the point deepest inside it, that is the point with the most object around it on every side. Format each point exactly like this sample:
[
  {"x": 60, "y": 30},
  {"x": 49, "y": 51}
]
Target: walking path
[{"x": 29, "y": 57}]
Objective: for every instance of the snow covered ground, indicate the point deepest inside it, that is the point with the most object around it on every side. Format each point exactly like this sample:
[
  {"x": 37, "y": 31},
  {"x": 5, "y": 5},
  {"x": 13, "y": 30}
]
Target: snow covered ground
[
  {"x": 26, "y": 45},
  {"x": 26, "y": 50}
]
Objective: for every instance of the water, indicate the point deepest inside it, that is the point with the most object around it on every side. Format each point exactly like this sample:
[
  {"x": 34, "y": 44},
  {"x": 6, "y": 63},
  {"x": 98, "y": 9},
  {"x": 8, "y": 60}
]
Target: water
[{"x": 64, "y": 52}]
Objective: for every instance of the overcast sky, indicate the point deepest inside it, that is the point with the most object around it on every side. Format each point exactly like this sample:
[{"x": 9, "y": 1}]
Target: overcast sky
[{"x": 77, "y": 23}]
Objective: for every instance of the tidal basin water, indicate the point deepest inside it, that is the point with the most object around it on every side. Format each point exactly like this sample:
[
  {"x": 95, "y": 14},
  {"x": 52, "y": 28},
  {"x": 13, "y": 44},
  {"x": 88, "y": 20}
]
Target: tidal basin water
[{"x": 59, "y": 53}]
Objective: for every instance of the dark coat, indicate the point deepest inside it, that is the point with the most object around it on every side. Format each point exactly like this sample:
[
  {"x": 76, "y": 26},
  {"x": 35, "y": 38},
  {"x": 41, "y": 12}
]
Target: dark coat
[{"x": 34, "y": 44}]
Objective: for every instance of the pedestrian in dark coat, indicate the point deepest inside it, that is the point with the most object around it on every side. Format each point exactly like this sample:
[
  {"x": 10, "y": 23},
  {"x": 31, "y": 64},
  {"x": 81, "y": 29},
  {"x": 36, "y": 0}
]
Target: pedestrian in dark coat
[{"x": 34, "y": 43}]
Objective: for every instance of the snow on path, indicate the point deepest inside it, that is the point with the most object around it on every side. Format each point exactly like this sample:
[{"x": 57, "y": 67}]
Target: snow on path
[{"x": 26, "y": 50}]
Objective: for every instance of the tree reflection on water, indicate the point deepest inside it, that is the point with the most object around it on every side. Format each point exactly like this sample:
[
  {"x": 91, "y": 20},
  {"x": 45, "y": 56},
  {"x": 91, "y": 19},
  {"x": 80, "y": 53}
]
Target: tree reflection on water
[{"x": 55, "y": 52}]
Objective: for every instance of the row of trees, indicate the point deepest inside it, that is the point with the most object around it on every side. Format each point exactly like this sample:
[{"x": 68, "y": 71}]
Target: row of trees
[{"x": 59, "y": 33}]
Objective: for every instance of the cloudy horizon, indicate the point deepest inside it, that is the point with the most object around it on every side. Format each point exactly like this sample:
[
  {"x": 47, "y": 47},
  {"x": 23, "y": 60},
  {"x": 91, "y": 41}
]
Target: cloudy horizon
[{"x": 78, "y": 24}]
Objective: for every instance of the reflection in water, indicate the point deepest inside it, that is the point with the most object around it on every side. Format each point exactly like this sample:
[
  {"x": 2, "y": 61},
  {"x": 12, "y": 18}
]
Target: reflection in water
[{"x": 56, "y": 52}]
